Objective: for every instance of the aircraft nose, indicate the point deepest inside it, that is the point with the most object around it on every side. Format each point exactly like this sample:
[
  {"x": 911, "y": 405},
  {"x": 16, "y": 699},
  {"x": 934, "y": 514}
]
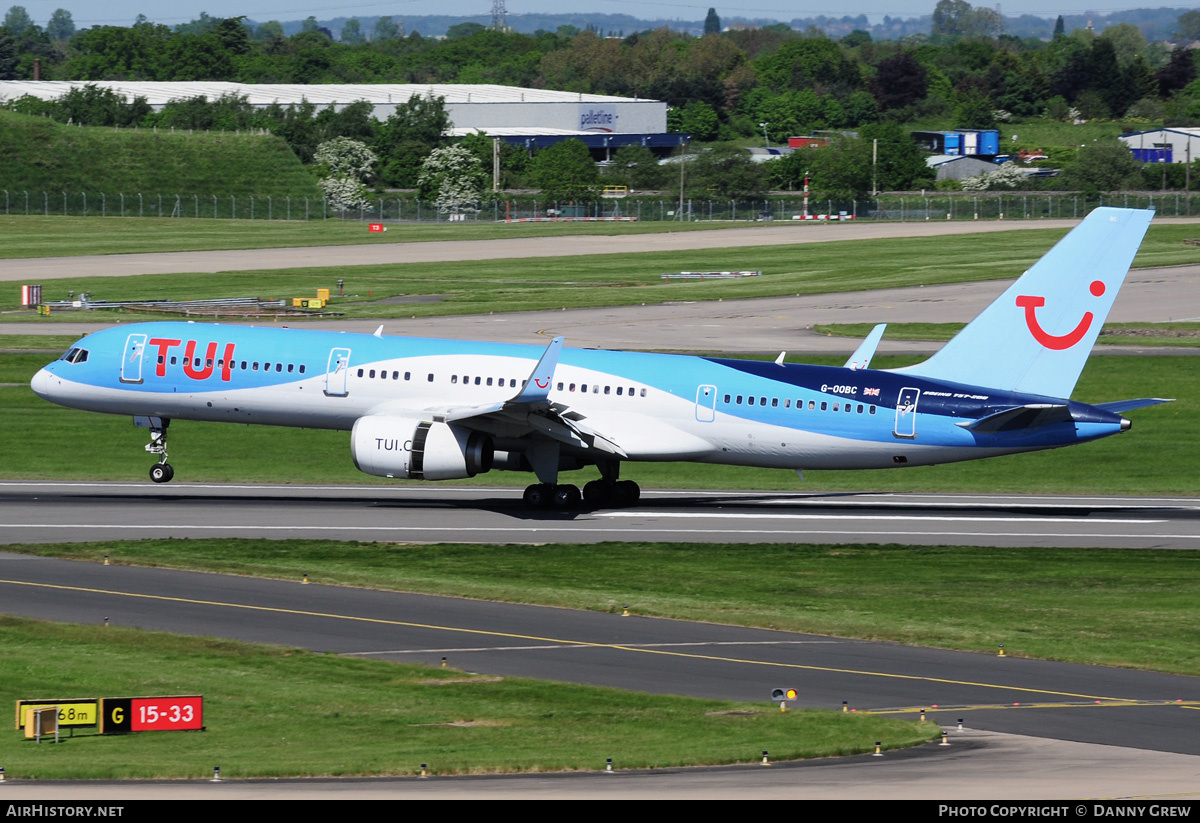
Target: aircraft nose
[{"x": 43, "y": 384}]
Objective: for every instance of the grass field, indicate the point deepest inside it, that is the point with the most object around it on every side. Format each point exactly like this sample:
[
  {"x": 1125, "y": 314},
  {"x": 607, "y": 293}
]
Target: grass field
[
  {"x": 39, "y": 236},
  {"x": 1138, "y": 609},
  {"x": 41, "y": 155},
  {"x": 472, "y": 287},
  {"x": 42, "y": 441},
  {"x": 286, "y": 712}
]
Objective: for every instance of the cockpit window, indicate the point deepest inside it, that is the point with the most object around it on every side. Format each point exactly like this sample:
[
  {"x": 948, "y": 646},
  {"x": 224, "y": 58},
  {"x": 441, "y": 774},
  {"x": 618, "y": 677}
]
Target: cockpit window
[{"x": 75, "y": 355}]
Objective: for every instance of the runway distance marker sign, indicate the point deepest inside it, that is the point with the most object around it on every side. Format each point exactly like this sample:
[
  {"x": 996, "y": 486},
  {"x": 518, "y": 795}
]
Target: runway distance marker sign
[{"x": 121, "y": 715}]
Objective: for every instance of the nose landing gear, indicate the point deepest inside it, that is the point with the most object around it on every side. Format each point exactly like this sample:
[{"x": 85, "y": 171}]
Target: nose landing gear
[{"x": 160, "y": 472}]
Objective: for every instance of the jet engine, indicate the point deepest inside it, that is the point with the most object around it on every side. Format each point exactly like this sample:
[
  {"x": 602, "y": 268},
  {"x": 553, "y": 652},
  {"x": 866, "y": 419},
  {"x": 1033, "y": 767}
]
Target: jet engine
[{"x": 419, "y": 450}]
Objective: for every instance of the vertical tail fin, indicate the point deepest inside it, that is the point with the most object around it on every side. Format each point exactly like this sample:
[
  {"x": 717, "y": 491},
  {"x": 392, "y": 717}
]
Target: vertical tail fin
[{"x": 1036, "y": 337}]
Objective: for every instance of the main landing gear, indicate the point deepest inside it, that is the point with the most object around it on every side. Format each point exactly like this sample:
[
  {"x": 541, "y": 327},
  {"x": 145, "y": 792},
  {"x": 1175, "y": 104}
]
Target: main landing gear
[
  {"x": 596, "y": 493},
  {"x": 160, "y": 472},
  {"x": 607, "y": 491}
]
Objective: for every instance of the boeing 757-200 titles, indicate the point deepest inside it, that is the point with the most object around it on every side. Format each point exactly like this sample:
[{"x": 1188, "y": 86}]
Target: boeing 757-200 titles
[{"x": 447, "y": 409}]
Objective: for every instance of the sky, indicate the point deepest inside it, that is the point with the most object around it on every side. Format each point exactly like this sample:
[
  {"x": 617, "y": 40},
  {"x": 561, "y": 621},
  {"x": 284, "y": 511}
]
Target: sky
[{"x": 123, "y": 12}]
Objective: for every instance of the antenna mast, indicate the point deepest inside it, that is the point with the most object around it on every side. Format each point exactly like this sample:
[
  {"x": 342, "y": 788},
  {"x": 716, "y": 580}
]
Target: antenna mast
[{"x": 499, "y": 23}]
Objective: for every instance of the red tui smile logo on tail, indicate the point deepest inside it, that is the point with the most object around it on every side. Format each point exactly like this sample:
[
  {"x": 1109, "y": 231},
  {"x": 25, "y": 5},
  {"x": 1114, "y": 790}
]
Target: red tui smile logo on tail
[{"x": 1055, "y": 341}]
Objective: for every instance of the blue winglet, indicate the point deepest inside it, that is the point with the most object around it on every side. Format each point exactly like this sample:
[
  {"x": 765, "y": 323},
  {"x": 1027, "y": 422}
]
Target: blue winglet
[
  {"x": 861, "y": 358},
  {"x": 537, "y": 387}
]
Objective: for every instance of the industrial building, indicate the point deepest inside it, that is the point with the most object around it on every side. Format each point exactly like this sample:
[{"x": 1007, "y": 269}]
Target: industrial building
[
  {"x": 953, "y": 167},
  {"x": 1174, "y": 145},
  {"x": 960, "y": 143},
  {"x": 527, "y": 117}
]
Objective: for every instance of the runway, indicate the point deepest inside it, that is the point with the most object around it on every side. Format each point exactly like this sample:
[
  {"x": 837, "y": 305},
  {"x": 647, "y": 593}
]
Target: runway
[
  {"x": 1090, "y": 704},
  {"x": 40, "y": 512}
]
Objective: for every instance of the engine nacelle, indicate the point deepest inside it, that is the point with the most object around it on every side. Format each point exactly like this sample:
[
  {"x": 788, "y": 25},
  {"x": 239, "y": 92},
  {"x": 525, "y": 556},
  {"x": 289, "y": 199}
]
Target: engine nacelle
[{"x": 417, "y": 449}]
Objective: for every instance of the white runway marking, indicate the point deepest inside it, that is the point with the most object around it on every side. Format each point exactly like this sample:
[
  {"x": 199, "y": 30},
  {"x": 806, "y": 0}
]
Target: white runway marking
[
  {"x": 861, "y": 517},
  {"x": 571, "y": 529}
]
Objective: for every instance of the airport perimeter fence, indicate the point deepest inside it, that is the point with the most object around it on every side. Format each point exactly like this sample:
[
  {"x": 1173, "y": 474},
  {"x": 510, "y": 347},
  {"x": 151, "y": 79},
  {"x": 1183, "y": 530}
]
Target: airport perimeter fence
[{"x": 529, "y": 208}]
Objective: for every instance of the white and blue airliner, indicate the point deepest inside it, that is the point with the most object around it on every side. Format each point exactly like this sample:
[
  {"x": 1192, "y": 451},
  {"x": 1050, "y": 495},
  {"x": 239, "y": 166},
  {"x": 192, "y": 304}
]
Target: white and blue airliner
[{"x": 449, "y": 409}]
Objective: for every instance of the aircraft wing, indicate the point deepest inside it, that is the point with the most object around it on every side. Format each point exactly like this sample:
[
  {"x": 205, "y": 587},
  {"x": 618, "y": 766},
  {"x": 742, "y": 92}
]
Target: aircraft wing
[{"x": 530, "y": 411}]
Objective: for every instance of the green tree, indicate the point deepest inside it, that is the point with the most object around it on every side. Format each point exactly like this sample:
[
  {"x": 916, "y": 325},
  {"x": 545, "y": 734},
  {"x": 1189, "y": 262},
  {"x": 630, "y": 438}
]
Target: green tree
[
  {"x": 1127, "y": 40},
  {"x": 712, "y": 22},
  {"x": 18, "y": 22},
  {"x": 8, "y": 57},
  {"x": 841, "y": 170},
  {"x": 1104, "y": 165},
  {"x": 957, "y": 18},
  {"x": 637, "y": 167},
  {"x": 417, "y": 127},
  {"x": 726, "y": 172},
  {"x": 468, "y": 29},
  {"x": 901, "y": 163},
  {"x": 856, "y": 38},
  {"x": 352, "y": 33},
  {"x": 386, "y": 29},
  {"x": 808, "y": 62},
  {"x": 269, "y": 29},
  {"x": 111, "y": 52},
  {"x": 61, "y": 27},
  {"x": 297, "y": 125},
  {"x": 564, "y": 171},
  {"x": 949, "y": 17},
  {"x": 699, "y": 120},
  {"x": 1187, "y": 28},
  {"x": 974, "y": 112},
  {"x": 355, "y": 120},
  {"x": 1060, "y": 28},
  {"x": 94, "y": 106}
]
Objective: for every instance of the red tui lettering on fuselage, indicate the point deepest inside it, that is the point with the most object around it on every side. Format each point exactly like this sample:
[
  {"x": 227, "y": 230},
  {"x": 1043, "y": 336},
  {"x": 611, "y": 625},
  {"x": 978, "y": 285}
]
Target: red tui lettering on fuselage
[{"x": 197, "y": 368}]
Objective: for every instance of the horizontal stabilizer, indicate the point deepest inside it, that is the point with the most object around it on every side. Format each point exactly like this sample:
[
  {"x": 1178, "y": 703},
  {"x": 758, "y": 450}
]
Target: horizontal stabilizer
[
  {"x": 861, "y": 358},
  {"x": 1020, "y": 417},
  {"x": 1118, "y": 406}
]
